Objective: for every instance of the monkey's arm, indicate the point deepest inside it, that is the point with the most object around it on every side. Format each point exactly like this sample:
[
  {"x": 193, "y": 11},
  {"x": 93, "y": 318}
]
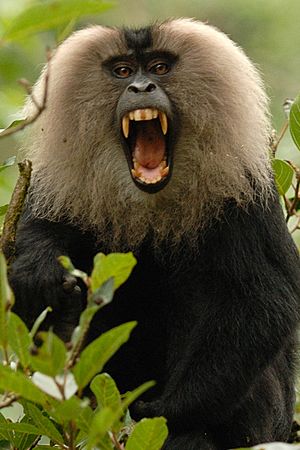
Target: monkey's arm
[
  {"x": 251, "y": 313},
  {"x": 37, "y": 278}
]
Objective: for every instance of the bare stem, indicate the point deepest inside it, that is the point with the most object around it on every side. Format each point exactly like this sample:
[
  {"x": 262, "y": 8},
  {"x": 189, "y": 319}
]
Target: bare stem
[
  {"x": 297, "y": 226},
  {"x": 276, "y": 142},
  {"x": 115, "y": 441},
  {"x": 35, "y": 442},
  {"x": 72, "y": 435}
]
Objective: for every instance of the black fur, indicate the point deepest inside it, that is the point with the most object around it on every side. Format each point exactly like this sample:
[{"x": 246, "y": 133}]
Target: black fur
[
  {"x": 216, "y": 326},
  {"x": 139, "y": 39}
]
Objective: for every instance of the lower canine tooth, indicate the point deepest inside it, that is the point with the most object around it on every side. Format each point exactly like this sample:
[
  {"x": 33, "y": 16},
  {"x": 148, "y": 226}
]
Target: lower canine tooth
[
  {"x": 135, "y": 173},
  {"x": 165, "y": 172}
]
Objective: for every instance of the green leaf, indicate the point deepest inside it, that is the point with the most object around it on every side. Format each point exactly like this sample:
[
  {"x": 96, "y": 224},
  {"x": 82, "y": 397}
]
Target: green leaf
[
  {"x": 116, "y": 265},
  {"x": 18, "y": 383},
  {"x": 4, "y": 445},
  {"x": 44, "y": 424},
  {"x": 50, "y": 356},
  {"x": 19, "y": 339},
  {"x": 97, "y": 300},
  {"x": 85, "y": 418},
  {"x": 25, "y": 428},
  {"x": 23, "y": 440},
  {"x": 106, "y": 391},
  {"x": 84, "y": 323},
  {"x": 105, "y": 443},
  {"x": 295, "y": 121},
  {"x": 5, "y": 434},
  {"x": 130, "y": 397},
  {"x": 40, "y": 319},
  {"x": 8, "y": 162},
  {"x": 14, "y": 124},
  {"x": 283, "y": 175},
  {"x": 68, "y": 410},
  {"x": 148, "y": 434},
  {"x": 51, "y": 14},
  {"x": 102, "y": 422},
  {"x": 43, "y": 447},
  {"x": 5, "y": 296},
  {"x": 3, "y": 210},
  {"x": 104, "y": 294},
  {"x": 67, "y": 264},
  {"x": 95, "y": 355}
]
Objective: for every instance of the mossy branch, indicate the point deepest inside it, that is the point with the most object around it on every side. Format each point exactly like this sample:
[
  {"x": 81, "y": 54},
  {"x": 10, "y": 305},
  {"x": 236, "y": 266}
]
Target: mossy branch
[{"x": 8, "y": 238}]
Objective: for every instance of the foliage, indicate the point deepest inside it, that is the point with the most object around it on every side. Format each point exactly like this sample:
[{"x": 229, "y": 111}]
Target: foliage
[
  {"x": 49, "y": 379},
  {"x": 45, "y": 378},
  {"x": 287, "y": 173},
  {"x": 50, "y": 15}
]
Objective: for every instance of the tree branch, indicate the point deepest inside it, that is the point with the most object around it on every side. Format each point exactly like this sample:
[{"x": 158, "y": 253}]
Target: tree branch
[{"x": 8, "y": 238}]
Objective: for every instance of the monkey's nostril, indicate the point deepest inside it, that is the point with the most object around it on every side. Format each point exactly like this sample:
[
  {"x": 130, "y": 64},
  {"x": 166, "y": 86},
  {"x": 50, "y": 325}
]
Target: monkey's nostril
[
  {"x": 133, "y": 88},
  {"x": 143, "y": 86},
  {"x": 151, "y": 87}
]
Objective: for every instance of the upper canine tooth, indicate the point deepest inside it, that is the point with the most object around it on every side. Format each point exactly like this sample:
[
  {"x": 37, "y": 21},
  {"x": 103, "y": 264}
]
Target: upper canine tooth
[
  {"x": 125, "y": 126},
  {"x": 163, "y": 122}
]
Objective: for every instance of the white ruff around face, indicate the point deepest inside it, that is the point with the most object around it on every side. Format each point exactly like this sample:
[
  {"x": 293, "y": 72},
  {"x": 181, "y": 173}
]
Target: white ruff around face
[{"x": 80, "y": 170}]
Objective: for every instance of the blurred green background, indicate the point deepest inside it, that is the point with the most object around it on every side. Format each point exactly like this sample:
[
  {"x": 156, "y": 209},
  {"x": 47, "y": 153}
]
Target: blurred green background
[{"x": 268, "y": 30}]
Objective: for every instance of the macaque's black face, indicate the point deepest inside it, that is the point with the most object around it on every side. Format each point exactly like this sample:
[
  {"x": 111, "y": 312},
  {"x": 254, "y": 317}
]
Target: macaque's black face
[{"x": 145, "y": 115}]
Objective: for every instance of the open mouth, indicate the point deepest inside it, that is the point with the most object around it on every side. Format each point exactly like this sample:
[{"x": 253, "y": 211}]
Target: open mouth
[{"x": 146, "y": 136}]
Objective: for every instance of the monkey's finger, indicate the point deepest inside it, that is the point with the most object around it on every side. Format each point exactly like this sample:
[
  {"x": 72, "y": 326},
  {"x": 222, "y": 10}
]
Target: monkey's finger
[
  {"x": 69, "y": 283},
  {"x": 77, "y": 290}
]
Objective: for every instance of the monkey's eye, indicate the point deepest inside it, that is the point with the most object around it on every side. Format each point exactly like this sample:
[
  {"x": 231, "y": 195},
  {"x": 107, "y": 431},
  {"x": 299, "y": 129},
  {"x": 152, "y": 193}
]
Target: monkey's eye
[
  {"x": 122, "y": 71},
  {"x": 159, "y": 68}
]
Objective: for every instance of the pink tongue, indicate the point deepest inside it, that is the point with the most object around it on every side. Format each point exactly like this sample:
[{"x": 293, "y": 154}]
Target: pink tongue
[{"x": 149, "y": 149}]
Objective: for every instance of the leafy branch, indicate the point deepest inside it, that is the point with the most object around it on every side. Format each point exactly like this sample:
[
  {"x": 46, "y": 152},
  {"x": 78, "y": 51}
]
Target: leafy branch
[{"x": 287, "y": 173}]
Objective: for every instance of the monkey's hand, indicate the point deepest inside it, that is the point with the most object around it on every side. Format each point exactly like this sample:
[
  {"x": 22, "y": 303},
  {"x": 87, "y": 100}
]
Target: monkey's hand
[
  {"x": 41, "y": 283},
  {"x": 141, "y": 409}
]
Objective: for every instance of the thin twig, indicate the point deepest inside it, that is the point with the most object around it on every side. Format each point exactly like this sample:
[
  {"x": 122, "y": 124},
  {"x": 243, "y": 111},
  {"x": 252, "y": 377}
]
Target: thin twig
[
  {"x": 115, "y": 441},
  {"x": 72, "y": 435},
  {"x": 287, "y": 204},
  {"x": 296, "y": 197},
  {"x": 292, "y": 205},
  {"x": 297, "y": 226},
  {"x": 35, "y": 442},
  {"x": 77, "y": 349},
  {"x": 276, "y": 141}
]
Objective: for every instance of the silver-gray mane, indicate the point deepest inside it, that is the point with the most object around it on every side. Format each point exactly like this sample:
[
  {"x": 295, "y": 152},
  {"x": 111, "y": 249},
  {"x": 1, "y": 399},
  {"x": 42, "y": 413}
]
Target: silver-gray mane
[{"x": 80, "y": 170}]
